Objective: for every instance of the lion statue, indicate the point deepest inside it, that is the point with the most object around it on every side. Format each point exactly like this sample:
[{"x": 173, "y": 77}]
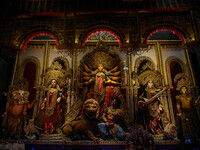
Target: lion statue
[{"x": 85, "y": 125}]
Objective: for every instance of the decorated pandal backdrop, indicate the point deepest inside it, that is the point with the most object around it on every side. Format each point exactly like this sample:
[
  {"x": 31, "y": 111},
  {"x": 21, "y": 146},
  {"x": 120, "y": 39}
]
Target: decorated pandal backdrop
[{"x": 102, "y": 92}]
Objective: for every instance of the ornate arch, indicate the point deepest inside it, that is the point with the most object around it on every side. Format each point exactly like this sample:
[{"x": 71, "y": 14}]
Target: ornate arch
[
  {"x": 23, "y": 65},
  {"x": 167, "y": 66},
  {"x": 182, "y": 34},
  {"x": 140, "y": 60},
  {"x": 22, "y": 38},
  {"x": 99, "y": 28},
  {"x": 66, "y": 62},
  {"x": 101, "y": 54}
]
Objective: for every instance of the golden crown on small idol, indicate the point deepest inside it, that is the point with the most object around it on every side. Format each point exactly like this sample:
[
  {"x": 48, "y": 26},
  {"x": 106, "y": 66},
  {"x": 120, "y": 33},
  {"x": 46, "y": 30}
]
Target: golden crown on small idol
[
  {"x": 56, "y": 66},
  {"x": 181, "y": 80},
  {"x": 55, "y": 73},
  {"x": 150, "y": 75}
]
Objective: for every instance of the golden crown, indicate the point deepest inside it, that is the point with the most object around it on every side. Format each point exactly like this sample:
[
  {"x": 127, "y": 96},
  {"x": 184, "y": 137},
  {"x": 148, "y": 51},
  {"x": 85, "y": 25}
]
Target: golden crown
[
  {"x": 150, "y": 75},
  {"x": 55, "y": 73},
  {"x": 182, "y": 80}
]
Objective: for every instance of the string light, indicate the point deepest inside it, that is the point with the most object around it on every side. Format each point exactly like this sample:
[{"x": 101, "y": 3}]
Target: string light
[
  {"x": 166, "y": 29},
  {"x": 101, "y": 31},
  {"x": 38, "y": 34}
]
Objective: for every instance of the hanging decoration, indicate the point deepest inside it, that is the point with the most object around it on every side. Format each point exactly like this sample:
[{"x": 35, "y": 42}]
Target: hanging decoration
[
  {"x": 71, "y": 49},
  {"x": 136, "y": 48}
]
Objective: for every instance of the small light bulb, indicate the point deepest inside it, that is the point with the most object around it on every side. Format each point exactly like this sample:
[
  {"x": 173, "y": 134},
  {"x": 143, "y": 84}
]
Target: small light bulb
[{"x": 125, "y": 68}]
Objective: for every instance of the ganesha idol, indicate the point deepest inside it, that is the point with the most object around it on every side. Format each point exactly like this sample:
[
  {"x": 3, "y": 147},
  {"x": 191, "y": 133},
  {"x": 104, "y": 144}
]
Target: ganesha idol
[{"x": 16, "y": 113}]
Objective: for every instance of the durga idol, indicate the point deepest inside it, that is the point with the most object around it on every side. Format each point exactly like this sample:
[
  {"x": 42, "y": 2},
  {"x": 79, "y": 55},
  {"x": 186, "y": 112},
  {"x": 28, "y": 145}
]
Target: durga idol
[{"x": 101, "y": 77}]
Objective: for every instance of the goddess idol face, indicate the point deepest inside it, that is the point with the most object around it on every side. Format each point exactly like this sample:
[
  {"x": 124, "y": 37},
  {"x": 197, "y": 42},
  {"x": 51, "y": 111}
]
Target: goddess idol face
[
  {"x": 100, "y": 67},
  {"x": 53, "y": 83},
  {"x": 150, "y": 84},
  {"x": 183, "y": 89}
]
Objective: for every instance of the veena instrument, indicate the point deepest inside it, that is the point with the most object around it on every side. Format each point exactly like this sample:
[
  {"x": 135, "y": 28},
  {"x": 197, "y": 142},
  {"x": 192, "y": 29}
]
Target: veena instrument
[{"x": 143, "y": 105}]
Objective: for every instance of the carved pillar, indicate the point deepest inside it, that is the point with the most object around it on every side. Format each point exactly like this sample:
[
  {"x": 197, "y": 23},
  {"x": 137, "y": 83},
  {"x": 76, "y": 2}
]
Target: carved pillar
[
  {"x": 156, "y": 46},
  {"x": 160, "y": 59},
  {"x": 129, "y": 69},
  {"x": 44, "y": 65},
  {"x": 188, "y": 65},
  {"x": 41, "y": 88},
  {"x": 132, "y": 108},
  {"x": 17, "y": 62},
  {"x": 135, "y": 104},
  {"x": 126, "y": 81},
  {"x": 125, "y": 71},
  {"x": 73, "y": 72},
  {"x": 73, "y": 82},
  {"x": 47, "y": 55},
  {"x": 76, "y": 86},
  {"x": 74, "y": 66},
  {"x": 129, "y": 96}
]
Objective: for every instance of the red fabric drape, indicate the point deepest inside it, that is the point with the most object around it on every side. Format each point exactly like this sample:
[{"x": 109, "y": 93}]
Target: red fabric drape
[
  {"x": 110, "y": 93},
  {"x": 51, "y": 121},
  {"x": 99, "y": 83},
  {"x": 51, "y": 99}
]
